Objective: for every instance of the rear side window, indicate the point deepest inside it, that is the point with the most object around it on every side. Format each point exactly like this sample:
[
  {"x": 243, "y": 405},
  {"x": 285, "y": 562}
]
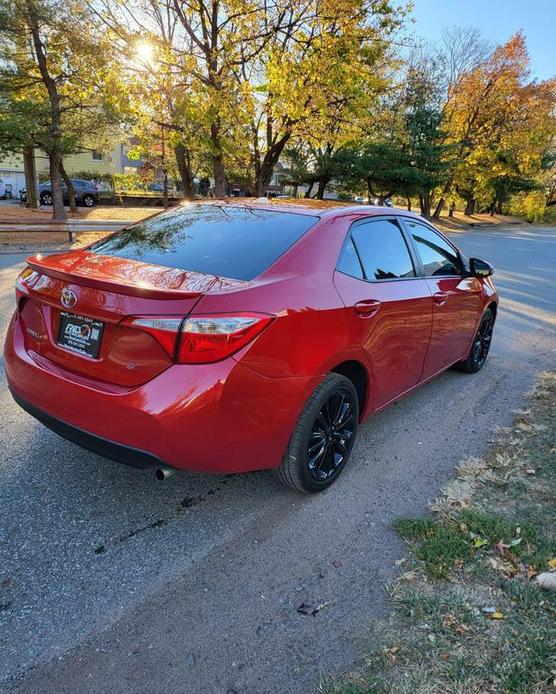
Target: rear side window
[
  {"x": 235, "y": 242},
  {"x": 438, "y": 257},
  {"x": 383, "y": 250},
  {"x": 349, "y": 261}
]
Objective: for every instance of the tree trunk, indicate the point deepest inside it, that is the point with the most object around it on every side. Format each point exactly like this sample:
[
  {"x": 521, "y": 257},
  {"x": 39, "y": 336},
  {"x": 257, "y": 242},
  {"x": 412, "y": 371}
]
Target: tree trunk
[
  {"x": 183, "y": 162},
  {"x": 58, "y": 210},
  {"x": 165, "y": 188},
  {"x": 69, "y": 186},
  {"x": 469, "y": 207},
  {"x": 309, "y": 190},
  {"x": 295, "y": 187},
  {"x": 499, "y": 207},
  {"x": 452, "y": 209},
  {"x": 263, "y": 173},
  {"x": 323, "y": 182},
  {"x": 55, "y": 125},
  {"x": 408, "y": 204},
  {"x": 425, "y": 203},
  {"x": 30, "y": 177},
  {"x": 218, "y": 170},
  {"x": 439, "y": 208}
]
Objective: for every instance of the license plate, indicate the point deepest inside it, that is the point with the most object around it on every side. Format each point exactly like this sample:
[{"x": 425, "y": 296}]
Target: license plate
[{"x": 80, "y": 334}]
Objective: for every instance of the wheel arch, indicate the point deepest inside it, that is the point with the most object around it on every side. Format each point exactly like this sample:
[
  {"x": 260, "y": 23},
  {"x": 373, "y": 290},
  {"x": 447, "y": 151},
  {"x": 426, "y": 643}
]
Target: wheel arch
[
  {"x": 492, "y": 306},
  {"x": 358, "y": 375}
]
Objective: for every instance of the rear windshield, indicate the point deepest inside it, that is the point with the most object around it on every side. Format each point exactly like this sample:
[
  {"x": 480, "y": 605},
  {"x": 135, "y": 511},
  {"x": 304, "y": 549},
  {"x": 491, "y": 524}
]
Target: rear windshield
[{"x": 235, "y": 242}]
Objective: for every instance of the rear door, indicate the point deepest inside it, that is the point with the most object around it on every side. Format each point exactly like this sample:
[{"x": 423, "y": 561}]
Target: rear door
[
  {"x": 456, "y": 298},
  {"x": 389, "y": 306}
]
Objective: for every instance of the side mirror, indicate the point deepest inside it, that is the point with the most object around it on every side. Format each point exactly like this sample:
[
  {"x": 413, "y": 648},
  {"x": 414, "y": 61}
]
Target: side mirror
[{"x": 480, "y": 268}]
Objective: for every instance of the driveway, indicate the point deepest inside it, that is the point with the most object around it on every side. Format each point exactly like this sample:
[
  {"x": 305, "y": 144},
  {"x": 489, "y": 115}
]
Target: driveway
[{"x": 110, "y": 581}]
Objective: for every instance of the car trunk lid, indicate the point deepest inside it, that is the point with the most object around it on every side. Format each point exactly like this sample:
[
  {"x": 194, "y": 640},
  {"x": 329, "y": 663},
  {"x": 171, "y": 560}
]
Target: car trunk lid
[{"x": 103, "y": 292}]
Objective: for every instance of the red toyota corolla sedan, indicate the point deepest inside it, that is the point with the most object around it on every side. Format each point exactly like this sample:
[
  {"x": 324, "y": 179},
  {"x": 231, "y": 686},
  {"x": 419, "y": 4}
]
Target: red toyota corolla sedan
[{"x": 226, "y": 337}]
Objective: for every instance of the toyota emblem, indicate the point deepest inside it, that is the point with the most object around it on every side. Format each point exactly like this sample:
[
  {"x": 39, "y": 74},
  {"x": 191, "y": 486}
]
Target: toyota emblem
[{"x": 68, "y": 298}]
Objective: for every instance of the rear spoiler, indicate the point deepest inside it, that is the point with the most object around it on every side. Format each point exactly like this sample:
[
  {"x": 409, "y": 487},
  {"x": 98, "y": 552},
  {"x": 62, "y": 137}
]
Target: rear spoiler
[{"x": 134, "y": 279}]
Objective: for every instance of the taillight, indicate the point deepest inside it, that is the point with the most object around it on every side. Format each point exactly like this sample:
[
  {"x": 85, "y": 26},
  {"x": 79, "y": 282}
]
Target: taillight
[
  {"x": 203, "y": 339},
  {"x": 26, "y": 279}
]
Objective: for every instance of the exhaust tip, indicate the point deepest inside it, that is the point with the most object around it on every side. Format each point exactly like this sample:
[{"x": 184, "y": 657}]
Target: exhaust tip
[{"x": 162, "y": 473}]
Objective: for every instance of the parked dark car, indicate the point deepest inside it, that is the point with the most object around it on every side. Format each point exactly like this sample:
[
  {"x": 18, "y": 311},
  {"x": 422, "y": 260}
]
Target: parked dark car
[{"x": 86, "y": 193}]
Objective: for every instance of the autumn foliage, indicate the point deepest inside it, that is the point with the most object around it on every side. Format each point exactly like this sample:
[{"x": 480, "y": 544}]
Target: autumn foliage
[{"x": 323, "y": 90}]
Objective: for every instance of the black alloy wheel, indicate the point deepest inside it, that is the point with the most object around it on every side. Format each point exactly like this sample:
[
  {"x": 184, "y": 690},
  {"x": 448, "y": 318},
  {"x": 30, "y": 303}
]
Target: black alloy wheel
[
  {"x": 323, "y": 438},
  {"x": 480, "y": 346},
  {"x": 483, "y": 338},
  {"x": 331, "y": 436}
]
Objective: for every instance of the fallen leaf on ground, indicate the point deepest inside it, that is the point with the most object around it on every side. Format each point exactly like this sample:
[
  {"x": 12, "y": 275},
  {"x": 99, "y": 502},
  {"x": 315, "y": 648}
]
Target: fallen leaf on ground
[{"x": 391, "y": 652}]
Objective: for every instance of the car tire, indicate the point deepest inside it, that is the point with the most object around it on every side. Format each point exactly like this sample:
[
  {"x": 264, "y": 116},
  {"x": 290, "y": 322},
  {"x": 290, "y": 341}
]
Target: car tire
[
  {"x": 327, "y": 427},
  {"x": 480, "y": 347},
  {"x": 46, "y": 198},
  {"x": 88, "y": 200}
]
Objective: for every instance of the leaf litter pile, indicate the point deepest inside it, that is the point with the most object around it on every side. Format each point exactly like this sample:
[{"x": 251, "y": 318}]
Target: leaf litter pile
[{"x": 475, "y": 609}]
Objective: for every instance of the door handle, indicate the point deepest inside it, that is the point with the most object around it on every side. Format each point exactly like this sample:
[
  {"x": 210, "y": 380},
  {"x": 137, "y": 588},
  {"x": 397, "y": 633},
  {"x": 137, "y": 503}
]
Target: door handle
[
  {"x": 440, "y": 298},
  {"x": 367, "y": 308}
]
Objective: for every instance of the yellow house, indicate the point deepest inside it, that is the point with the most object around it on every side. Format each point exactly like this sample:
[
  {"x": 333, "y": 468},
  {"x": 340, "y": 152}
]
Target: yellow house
[{"x": 12, "y": 172}]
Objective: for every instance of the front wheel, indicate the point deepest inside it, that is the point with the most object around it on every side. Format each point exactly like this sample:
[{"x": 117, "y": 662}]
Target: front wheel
[
  {"x": 88, "y": 200},
  {"x": 480, "y": 346},
  {"x": 46, "y": 198},
  {"x": 322, "y": 441}
]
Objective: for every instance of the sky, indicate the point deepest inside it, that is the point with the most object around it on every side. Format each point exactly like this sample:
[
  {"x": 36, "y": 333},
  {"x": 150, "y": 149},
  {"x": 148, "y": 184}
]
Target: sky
[{"x": 497, "y": 20}]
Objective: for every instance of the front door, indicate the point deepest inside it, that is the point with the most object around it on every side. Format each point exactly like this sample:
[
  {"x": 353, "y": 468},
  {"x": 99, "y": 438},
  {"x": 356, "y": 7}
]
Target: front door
[{"x": 456, "y": 298}]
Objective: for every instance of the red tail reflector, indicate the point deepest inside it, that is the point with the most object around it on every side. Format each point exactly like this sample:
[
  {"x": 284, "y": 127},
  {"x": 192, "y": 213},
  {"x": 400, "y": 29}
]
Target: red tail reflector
[
  {"x": 210, "y": 338},
  {"x": 163, "y": 328}
]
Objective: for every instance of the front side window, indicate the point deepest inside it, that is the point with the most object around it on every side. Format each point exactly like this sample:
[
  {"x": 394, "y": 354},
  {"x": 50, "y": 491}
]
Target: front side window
[
  {"x": 97, "y": 156},
  {"x": 383, "y": 250},
  {"x": 438, "y": 257},
  {"x": 236, "y": 242}
]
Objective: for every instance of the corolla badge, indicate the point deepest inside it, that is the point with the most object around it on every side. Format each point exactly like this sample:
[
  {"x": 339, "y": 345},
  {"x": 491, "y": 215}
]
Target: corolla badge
[{"x": 68, "y": 298}]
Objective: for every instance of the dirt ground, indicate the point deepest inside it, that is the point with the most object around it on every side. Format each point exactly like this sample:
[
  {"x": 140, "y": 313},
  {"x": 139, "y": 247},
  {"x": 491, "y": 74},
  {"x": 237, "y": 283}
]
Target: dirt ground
[
  {"x": 13, "y": 240},
  {"x": 20, "y": 214}
]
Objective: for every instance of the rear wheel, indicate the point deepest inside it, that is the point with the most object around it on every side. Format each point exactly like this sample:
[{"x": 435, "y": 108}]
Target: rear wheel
[
  {"x": 46, "y": 198},
  {"x": 88, "y": 200},
  {"x": 321, "y": 443},
  {"x": 480, "y": 346}
]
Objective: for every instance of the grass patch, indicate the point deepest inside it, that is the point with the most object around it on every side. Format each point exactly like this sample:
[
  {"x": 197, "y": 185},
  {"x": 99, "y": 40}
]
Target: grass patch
[{"x": 468, "y": 616}]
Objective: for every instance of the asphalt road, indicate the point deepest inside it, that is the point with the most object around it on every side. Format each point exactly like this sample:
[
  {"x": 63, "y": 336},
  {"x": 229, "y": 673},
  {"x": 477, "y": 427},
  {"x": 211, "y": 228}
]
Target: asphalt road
[{"x": 110, "y": 581}]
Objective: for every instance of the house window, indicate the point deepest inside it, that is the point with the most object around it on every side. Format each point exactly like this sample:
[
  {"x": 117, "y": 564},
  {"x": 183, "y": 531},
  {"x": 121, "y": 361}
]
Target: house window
[{"x": 97, "y": 156}]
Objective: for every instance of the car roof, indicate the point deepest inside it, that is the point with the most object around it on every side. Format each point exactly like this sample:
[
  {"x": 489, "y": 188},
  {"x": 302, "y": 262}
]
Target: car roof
[{"x": 321, "y": 208}]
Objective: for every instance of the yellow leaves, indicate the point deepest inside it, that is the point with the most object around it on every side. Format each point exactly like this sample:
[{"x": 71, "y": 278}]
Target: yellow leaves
[{"x": 493, "y": 613}]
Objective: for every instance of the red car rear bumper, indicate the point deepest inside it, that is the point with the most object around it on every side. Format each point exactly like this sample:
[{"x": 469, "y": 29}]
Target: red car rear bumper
[{"x": 221, "y": 417}]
